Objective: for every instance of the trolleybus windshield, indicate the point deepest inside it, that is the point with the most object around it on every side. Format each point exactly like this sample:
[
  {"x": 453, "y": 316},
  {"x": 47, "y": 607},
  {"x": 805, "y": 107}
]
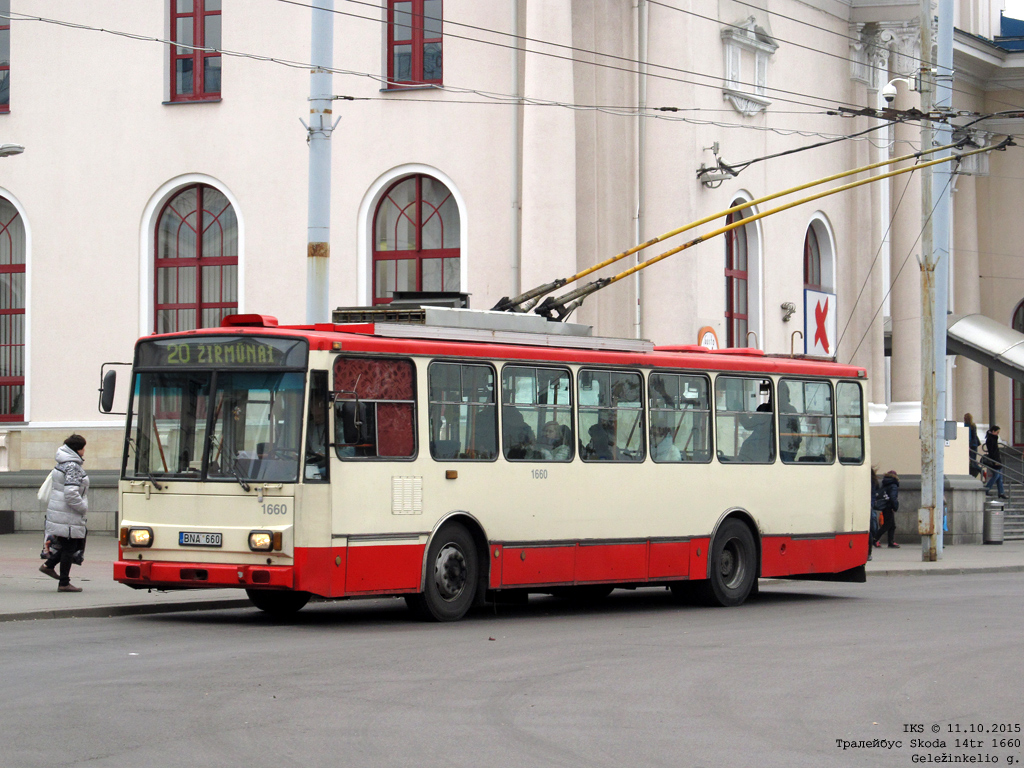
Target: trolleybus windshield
[{"x": 217, "y": 408}]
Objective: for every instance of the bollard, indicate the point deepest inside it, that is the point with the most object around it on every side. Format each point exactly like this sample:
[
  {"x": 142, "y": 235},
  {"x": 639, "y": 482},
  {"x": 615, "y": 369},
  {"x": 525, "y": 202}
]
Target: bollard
[{"x": 992, "y": 525}]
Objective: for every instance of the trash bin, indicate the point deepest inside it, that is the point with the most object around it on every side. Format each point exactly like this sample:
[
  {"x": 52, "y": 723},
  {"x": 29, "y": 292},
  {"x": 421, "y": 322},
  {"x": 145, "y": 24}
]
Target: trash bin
[{"x": 992, "y": 525}]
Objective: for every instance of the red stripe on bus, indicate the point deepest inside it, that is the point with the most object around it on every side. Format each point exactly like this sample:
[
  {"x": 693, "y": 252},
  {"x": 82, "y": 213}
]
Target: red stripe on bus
[
  {"x": 320, "y": 570},
  {"x": 669, "y": 560},
  {"x": 384, "y": 569},
  {"x": 789, "y": 556},
  {"x": 611, "y": 562}
]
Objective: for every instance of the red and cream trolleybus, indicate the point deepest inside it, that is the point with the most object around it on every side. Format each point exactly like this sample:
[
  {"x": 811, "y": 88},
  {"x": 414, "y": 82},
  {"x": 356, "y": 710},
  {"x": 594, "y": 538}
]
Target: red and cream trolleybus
[{"x": 452, "y": 455}]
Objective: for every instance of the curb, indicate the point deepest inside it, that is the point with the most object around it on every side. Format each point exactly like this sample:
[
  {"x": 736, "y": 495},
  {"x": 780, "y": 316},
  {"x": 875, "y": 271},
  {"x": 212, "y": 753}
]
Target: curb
[
  {"x": 109, "y": 611},
  {"x": 950, "y": 571}
]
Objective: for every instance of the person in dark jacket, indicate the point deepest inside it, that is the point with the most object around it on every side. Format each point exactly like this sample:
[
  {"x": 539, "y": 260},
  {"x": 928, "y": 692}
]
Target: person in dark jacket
[
  {"x": 889, "y": 488},
  {"x": 994, "y": 461},
  {"x": 66, "y": 512},
  {"x": 973, "y": 443},
  {"x": 878, "y": 500}
]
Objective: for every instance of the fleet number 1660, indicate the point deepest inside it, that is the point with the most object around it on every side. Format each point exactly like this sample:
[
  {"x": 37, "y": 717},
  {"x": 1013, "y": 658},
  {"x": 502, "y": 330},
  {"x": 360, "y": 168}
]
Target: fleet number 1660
[{"x": 275, "y": 509}]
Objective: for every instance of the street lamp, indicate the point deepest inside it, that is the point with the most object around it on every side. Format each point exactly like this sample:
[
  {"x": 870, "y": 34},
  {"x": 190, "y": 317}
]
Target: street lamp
[{"x": 11, "y": 149}]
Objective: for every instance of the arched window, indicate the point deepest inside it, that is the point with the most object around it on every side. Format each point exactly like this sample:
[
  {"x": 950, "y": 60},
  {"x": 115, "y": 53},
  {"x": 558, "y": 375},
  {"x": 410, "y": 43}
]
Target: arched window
[
  {"x": 196, "y": 260},
  {"x": 819, "y": 255},
  {"x": 416, "y": 239},
  {"x": 812, "y": 261},
  {"x": 12, "y": 313},
  {"x": 736, "y": 280},
  {"x": 1018, "y": 388}
]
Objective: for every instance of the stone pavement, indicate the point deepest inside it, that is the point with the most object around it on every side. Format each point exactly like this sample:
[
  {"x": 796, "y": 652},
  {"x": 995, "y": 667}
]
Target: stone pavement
[{"x": 25, "y": 593}]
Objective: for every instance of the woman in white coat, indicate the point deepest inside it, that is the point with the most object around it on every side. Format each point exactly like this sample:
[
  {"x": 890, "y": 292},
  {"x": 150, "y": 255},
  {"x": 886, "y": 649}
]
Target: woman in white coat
[{"x": 65, "y": 512}]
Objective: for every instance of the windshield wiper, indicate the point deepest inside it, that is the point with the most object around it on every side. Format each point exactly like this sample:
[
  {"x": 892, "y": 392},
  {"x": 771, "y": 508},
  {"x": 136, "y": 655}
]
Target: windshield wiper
[
  {"x": 149, "y": 476},
  {"x": 238, "y": 476}
]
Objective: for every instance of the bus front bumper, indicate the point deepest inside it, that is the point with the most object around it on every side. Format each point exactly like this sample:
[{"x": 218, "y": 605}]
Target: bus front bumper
[{"x": 178, "y": 575}]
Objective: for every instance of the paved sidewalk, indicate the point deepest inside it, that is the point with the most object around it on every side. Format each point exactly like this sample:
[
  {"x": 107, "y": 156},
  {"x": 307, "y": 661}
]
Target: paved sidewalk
[{"x": 25, "y": 593}]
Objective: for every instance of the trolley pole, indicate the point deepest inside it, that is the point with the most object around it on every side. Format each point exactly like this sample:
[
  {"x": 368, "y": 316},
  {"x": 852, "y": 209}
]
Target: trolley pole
[
  {"x": 935, "y": 288},
  {"x": 321, "y": 82}
]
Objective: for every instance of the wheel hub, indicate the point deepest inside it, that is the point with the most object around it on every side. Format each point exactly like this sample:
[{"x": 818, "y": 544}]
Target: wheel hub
[
  {"x": 731, "y": 569},
  {"x": 450, "y": 572}
]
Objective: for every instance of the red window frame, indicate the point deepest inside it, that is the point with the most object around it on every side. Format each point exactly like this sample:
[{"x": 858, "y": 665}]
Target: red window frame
[
  {"x": 194, "y": 20},
  {"x": 812, "y": 260},
  {"x": 734, "y": 319},
  {"x": 5, "y": 64},
  {"x": 418, "y": 42},
  {"x": 415, "y": 213},
  {"x": 12, "y": 332},
  {"x": 197, "y": 260}
]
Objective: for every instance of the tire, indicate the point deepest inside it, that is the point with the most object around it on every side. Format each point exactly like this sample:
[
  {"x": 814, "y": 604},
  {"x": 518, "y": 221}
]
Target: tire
[
  {"x": 733, "y": 571},
  {"x": 453, "y": 574},
  {"x": 278, "y": 603}
]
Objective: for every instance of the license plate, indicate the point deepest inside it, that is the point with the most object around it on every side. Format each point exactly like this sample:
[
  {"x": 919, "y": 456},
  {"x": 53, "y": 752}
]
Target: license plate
[{"x": 190, "y": 539}]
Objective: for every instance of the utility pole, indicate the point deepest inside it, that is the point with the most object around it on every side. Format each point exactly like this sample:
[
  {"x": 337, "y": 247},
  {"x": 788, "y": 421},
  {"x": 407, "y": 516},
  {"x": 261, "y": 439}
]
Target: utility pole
[
  {"x": 320, "y": 127},
  {"x": 935, "y": 281}
]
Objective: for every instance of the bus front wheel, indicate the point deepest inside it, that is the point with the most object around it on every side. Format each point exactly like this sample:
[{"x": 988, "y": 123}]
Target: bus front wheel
[
  {"x": 733, "y": 569},
  {"x": 453, "y": 569},
  {"x": 277, "y": 603}
]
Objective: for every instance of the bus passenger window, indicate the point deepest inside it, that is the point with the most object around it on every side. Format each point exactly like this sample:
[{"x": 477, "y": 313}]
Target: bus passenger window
[
  {"x": 680, "y": 411},
  {"x": 850, "y": 422},
  {"x": 463, "y": 414},
  {"x": 611, "y": 416},
  {"x": 536, "y": 414},
  {"x": 316, "y": 465},
  {"x": 374, "y": 408},
  {"x": 805, "y": 422},
  {"x": 744, "y": 421}
]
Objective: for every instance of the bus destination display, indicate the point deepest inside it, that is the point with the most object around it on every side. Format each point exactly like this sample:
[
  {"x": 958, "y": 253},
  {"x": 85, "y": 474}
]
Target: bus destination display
[{"x": 223, "y": 352}]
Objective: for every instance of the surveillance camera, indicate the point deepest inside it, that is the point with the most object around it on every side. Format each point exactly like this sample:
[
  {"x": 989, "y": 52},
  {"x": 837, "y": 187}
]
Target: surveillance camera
[{"x": 889, "y": 93}]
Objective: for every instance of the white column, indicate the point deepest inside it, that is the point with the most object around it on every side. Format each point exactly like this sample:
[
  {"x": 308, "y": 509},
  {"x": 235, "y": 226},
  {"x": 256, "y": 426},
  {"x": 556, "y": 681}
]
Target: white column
[
  {"x": 970, "y": 380},
  {"x": 905, "y": 293},
  {"x": 549, "y": 148}
]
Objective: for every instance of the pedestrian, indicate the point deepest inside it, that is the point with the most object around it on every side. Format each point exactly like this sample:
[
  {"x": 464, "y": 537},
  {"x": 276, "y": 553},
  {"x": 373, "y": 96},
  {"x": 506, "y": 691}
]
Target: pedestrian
[
  {"x": 890, "y": 504},
  {"x": 973, "y": 443},
  {"x": 994, "y": 461},
  {"x": 878, "y": 502},
  {"x": 66, "y": 512}
]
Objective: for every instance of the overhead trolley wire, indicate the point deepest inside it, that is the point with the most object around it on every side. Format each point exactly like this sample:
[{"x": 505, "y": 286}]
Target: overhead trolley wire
[
  {"x": 561, "y": 307},
  {"x": 907, "y": 257},
  {"x": 499, "y": 98},
  {"x": 528, "y": 299},
  {"x": 633, "y": 69},
  {"x": 922, "y": 62}
]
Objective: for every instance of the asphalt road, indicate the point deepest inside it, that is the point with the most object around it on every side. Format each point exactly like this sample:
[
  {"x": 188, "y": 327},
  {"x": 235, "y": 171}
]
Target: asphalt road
[{"x": 637, "y": 681}]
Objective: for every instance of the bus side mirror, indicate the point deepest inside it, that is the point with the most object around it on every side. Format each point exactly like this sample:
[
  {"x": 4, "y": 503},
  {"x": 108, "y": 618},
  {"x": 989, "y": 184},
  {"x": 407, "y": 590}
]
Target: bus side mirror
[{"x": 107, "y": 391}]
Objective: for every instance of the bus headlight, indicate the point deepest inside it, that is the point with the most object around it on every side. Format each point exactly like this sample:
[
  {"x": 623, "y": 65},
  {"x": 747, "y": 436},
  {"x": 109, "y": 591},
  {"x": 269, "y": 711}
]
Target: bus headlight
[
  {"x": 261, "y": 541},
  {"x": 140, "y": 537}
]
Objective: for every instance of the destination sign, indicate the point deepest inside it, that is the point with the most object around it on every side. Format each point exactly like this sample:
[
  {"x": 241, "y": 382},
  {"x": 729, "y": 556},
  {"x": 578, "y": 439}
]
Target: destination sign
[{"x": 222, "y": 352}]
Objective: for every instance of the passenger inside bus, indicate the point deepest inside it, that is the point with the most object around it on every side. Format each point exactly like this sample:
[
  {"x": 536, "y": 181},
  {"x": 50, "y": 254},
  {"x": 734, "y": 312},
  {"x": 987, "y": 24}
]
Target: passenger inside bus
[
  {"x": 757, "y": 447},
  {"x": 556, "y": 442},
  {"x": 789, "y": 426},
  {"x": 518, "y": 436},
  {"x": 665, "y": 448},
  {"x": 602, "y": 445}
]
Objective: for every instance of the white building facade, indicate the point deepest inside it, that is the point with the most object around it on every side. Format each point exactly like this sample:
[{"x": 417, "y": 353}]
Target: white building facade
[{"x": 481, "y": 147}]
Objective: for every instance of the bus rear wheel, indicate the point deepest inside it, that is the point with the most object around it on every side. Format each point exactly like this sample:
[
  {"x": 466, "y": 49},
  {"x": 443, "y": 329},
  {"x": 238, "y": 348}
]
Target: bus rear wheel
[
  {"x": 453, "y": 570},
  {"x": 278, "y": 603},
  {"x": 733, "y": 569}
]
